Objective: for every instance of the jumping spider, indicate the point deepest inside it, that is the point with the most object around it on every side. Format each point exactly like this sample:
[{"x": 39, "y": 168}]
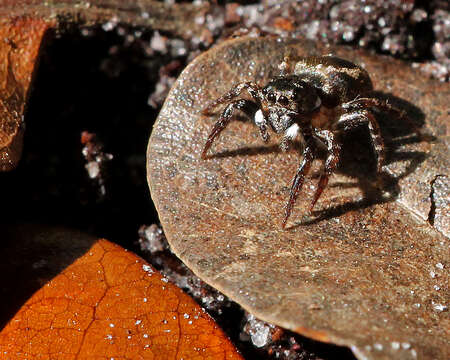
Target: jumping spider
[{"x": 324, "y": 96}]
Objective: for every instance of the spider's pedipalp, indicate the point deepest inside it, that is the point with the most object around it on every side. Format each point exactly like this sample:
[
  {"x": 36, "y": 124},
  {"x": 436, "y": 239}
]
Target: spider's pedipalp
[
  {"x": 248, "y": 107},
  {"x": 299, "y": 178},
  {"x": 290, "y": 135},
  {"x": 354, "y": 119},
  {"x": 261, "y": 123}
]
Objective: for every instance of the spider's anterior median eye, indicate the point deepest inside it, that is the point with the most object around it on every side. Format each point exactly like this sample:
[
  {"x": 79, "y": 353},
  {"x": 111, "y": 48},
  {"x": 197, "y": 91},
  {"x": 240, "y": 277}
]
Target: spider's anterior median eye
[
  {"x": 271, "y": 97},
  {"x": 283, "y": 100}
]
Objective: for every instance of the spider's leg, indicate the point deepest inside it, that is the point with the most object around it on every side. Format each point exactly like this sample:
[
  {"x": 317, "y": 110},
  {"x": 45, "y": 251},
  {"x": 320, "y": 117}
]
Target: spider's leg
[
  {"x": 367, "y": 102},
  {"x": 334, "y": 151},
  {"x": 299, "y": 178},
  {"x": 290, "y": 134},
  {"x": 351, "y": 120},
  {"x": 251, "y": 87},
  {"x": 246, "y": 106},
  {"x": 361, "y": 103}
]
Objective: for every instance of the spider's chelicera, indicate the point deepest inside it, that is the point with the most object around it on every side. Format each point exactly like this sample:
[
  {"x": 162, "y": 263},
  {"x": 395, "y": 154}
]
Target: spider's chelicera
[{"x": 323, "y": 97}]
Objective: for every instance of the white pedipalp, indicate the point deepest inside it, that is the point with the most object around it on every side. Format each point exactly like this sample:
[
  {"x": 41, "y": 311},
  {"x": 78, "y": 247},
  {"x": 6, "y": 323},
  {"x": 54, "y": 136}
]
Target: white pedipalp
[
  {"x": 292, "y": 132},
  {"x": 259, "y": 118}
]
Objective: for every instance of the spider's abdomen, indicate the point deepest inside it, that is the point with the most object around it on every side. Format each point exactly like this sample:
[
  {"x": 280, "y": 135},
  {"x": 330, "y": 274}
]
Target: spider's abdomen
[{"x": 336, "y": 80}]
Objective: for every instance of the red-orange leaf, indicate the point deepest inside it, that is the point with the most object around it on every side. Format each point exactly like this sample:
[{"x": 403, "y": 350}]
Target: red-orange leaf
[{"x": 110, "y": 304}]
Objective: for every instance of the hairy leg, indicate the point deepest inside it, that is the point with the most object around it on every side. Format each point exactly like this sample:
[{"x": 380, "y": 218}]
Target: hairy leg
[
  {"x": 246, "y": 106},
  {"x": 334, "y": 151},
  {"x": 252, "y": 89},
  {"x": 299, "y": 178},
  {"x": 352, "y": 120},
  {"x": 367, "y": 102}
]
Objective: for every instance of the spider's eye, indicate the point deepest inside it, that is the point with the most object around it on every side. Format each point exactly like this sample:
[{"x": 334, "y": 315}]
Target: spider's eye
[
  {"x": 298, "y": 93},
  {"x": 271, "y": 97},
  {"x": 283, "y": 100}
]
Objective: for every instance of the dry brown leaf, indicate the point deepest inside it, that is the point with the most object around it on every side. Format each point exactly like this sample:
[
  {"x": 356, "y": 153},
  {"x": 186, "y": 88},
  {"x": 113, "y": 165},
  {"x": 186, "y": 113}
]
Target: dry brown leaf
[
  {"x": 111, "y": 304},
  {"x": 367, "y": 269}
]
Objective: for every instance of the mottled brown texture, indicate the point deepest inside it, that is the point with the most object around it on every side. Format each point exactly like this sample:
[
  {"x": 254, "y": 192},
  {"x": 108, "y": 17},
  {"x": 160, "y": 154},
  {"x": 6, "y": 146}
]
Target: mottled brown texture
[
  {"x": 367, "y": 269},
  {"x": 20, "y": 39},
  {"x": 440, "y": 207}
]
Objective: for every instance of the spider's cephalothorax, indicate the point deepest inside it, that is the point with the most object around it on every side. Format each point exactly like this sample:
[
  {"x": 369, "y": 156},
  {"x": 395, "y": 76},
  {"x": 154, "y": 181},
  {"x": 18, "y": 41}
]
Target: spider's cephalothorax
[
  {"x": 286, "y": 99},
  {"x": 296, "y": 103}
]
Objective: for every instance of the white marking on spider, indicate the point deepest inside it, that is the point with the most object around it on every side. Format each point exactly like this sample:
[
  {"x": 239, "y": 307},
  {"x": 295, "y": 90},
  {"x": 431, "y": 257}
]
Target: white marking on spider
[
  {"x": 259, "y": 118},
  {"x": 292, "y": 131},
  {"x": 318, "y": 102}
]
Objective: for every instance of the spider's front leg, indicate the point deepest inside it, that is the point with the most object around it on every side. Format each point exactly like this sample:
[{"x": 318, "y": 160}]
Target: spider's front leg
[
  {"x": 334, "y": 152},
  {"x": 248, "y": 107},
  {"x": 299, "y": 177},
  {"x": 251, "y": 87},
  {"x": 334, "y": 149},
  {"x": 351, "y": 120}
]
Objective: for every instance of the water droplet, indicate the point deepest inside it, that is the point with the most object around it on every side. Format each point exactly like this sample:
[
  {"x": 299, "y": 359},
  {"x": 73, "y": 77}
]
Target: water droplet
[
  {"x": 147, "y": 268},
  {"x": 261, "y": 336},
  {"x": 378, "y": 346},
  {"x": 438, "y": 307},
  {"x": 381, "y": 22}
]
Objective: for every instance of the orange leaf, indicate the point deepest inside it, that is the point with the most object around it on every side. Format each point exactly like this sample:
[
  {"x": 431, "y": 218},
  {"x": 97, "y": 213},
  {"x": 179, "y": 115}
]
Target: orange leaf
[{"x": 110, "y": 304}]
